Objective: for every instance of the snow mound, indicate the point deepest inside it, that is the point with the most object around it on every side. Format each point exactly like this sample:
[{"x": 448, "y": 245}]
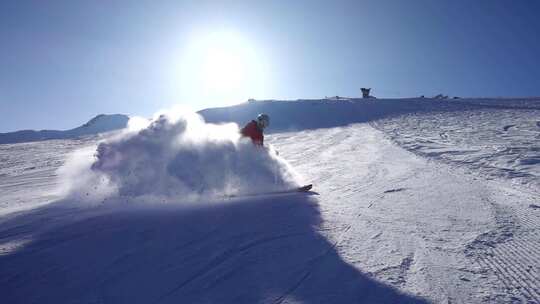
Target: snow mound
[{"x": 176, "y": 156}]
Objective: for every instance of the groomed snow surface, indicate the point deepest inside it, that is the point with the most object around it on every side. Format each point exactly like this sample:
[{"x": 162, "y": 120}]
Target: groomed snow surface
[{"x": 414, "y": 201}]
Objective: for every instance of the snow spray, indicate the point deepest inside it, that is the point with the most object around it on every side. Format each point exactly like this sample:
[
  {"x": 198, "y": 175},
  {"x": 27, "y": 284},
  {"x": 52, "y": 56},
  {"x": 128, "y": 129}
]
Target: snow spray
[{"x": 178, "y": 156}]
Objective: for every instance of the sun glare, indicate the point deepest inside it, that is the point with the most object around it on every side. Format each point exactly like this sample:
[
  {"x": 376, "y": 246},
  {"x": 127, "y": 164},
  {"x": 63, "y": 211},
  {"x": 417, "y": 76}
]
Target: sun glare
[{"x": 223, "y": 68}]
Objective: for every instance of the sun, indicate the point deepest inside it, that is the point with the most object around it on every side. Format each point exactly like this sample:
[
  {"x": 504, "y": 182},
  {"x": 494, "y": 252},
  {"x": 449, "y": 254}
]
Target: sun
[{"x": 224, "y": 68}]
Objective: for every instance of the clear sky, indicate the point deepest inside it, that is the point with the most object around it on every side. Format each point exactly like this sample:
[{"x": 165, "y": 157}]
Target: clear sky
[{"x": 62, "y": 62}]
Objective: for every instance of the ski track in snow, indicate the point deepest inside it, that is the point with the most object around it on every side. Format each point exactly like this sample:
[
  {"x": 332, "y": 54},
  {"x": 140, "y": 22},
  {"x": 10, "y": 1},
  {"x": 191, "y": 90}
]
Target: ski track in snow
[
  {"x": 28, "y": 175},
  {"x": 499, "y": 144},
  {"x": 384, "y": 226},
  {"x": 419, "y": 225}
]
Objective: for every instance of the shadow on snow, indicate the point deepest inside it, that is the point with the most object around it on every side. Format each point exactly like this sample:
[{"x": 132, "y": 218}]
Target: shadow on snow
[{"x": 263, "y": 250}]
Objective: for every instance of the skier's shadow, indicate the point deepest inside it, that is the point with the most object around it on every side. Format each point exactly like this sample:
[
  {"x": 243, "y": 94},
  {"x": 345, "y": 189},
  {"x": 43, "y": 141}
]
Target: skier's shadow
[{"x": 264, "y": 250}]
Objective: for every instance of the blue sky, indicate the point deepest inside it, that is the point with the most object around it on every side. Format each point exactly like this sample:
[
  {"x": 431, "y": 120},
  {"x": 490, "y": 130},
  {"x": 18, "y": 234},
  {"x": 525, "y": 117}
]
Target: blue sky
[{"x": 62, "y": 62}]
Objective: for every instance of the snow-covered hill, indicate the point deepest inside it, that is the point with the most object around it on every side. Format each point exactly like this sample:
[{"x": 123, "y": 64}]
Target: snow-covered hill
[
  {"x": 499, "y": 138},
  {"x": 325, "y": 113},
  {"x": 396, "y": 215},
  {"x": 99, "y": 124}
]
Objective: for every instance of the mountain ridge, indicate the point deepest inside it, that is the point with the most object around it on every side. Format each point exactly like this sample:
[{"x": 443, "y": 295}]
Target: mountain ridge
[{"x": 98, "y": 124}]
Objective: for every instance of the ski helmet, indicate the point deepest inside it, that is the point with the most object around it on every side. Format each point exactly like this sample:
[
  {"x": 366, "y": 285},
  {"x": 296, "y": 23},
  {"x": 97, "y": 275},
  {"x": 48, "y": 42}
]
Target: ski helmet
[{"x": 263, "y": 120}]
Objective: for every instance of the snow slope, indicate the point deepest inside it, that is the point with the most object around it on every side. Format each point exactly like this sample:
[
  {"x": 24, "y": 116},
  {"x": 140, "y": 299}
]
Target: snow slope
[
  {"x": 383, "y": 225},
  {"x": 28, "y": 171},
  {"x": 501, "y": 143},
  {"x": 422, "y": 226}
]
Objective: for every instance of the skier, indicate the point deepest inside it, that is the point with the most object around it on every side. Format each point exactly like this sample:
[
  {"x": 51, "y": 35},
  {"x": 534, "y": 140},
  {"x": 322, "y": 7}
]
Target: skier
[{"x": 254, "y": 129}]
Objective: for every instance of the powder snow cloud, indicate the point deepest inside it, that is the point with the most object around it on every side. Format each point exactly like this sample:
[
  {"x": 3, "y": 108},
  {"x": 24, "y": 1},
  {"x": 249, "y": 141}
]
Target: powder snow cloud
[{"x": 176, "y": 155}]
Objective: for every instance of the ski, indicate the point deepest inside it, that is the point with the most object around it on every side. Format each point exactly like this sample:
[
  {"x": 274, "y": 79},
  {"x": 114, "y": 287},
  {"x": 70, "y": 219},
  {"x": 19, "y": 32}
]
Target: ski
[{"x": 305, "y": 188}]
